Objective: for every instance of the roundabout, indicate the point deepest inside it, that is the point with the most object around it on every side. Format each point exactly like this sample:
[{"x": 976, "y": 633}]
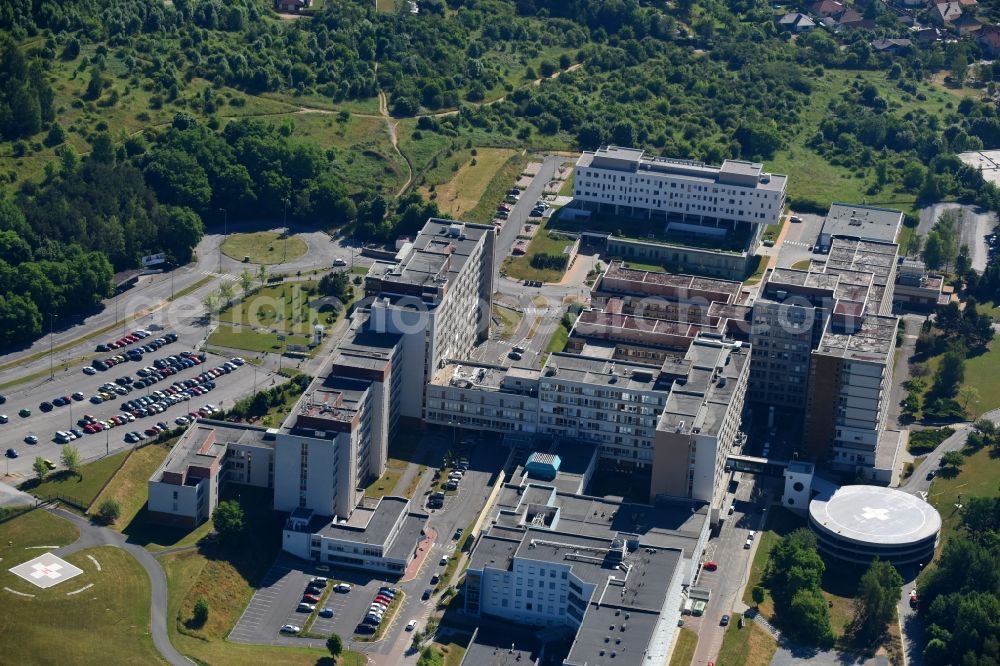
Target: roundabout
[{"x": 264, "y": 247}]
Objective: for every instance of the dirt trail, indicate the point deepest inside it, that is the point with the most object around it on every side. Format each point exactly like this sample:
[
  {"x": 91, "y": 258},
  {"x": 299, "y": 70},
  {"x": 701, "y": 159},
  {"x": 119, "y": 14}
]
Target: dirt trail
[{"x": 383, "y": 108}]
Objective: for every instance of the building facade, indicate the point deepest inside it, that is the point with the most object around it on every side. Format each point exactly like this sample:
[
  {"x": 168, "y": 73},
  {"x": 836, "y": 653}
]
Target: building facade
[{"x": 623, "y": 179}]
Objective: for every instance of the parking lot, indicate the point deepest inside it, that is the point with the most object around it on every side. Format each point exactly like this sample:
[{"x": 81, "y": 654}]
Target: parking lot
[
  {"x": 275, "y": 602},
  {"x": 44, "y": 425}
]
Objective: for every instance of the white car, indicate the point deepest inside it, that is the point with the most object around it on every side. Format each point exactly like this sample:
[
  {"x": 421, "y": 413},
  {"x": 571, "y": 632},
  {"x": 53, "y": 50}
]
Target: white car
[
  {"x": 343, "y": 588},
  {"x": 411, "y": 625},
  {"x": 339, "y": 262},
  {"x": 88, "y": 370},
  {"x": 290, "y": 629},
  {"x": 306, "y": 608}
]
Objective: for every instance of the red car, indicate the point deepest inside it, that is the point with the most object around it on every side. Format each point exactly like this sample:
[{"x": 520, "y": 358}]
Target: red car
[
  {"x": 310, "y": 599},
  {"x": 710, "y": 566}
]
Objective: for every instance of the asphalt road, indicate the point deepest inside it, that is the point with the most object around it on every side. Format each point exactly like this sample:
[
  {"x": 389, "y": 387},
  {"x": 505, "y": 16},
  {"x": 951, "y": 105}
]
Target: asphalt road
[
  {"x": 798, "y": 238},
  {"x": 519, "y": 213},
  {"x": 728, "y": 580}
]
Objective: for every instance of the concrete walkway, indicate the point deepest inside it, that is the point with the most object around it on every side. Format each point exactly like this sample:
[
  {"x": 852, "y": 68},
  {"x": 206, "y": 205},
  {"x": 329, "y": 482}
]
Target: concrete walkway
[{"x": 91, "y": 536}]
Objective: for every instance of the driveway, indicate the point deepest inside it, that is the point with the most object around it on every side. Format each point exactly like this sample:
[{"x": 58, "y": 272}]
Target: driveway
[{"x": 975, "y": 224}]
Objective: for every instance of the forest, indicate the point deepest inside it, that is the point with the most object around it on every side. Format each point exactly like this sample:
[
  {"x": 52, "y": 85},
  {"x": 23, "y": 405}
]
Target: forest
[{"x": 142, "y": 114}]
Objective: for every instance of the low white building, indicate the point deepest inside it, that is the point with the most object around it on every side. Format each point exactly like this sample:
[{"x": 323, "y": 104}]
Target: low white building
[
  {"x": 381, "y": 535},
  {"x": 696, "y": 194}
]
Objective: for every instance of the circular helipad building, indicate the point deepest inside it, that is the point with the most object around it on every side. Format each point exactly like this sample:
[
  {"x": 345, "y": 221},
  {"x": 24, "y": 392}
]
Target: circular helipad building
[{"x": 859, "y": 523}]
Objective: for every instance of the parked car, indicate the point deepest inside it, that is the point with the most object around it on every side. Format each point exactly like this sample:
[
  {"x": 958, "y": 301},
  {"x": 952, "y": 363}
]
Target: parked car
[
  {"x": 326, "y": 612},
  {"x": 724, "y": 621},
  {"x": 310, "y": 599},
  {"x": 411, "y": 625},
  {"x": 290, "y": 629},
  {"x": 11, "y": 453},
  {"x": 306, "y": 608},
  {"x": 427, "y": 594},
  {"x": 30, "y": 439},
  {"x": 710, "y": 566},
  {"x": 343, "y": 588}
]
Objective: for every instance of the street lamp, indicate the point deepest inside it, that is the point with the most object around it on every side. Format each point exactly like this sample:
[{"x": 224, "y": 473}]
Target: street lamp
[
  {"x": 285, "y": 225},
  {"x": 225, "y": 233},
  {"x": 52, "y": 319}
]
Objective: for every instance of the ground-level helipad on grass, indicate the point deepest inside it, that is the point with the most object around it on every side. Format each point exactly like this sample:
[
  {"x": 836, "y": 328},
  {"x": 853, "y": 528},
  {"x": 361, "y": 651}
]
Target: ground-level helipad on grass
[{"x": 46, "y": 570}]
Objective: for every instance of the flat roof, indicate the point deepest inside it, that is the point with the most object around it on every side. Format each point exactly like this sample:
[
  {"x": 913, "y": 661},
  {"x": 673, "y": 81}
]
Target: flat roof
[
  {"x": 440, "y": 251},
  {"x": 864, "y": 222},
  {"x": 510, "y": 647},
  {"x": 623, "y": 375},
  {"x": 191, "y": 448},
  {"x": 613, "y": 635},
  {"x": 702, "y": 399},
  {"x": 875, "y": 515},
  {"x": 633, "y": 160},
  {"x": 368, "y": 525}
]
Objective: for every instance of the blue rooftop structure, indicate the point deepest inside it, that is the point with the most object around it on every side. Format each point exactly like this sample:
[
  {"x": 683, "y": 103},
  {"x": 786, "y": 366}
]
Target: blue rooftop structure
[{"x": 542, "y": 466}]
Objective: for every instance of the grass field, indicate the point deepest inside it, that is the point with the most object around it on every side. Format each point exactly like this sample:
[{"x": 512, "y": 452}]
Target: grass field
[
  {"x": 779, "y": 523},
  {"x": 802, "y": 264},
  {"x": 813, "y": 177},
  {"x": 284, "y": 307},
  {"x": 983, "y": 372},
  {"x": 108, "y": 624},
  {"x": 510, "y": 320},
  {"x": 557, "y": 342},
  {"x": 250, "y": 340},
  {"x": 264, "y": 247},
  {"x": 129, "y": 486},
  {"x": 749, "y": 646},
  {"x": 466, "y": 187},
  {"x": 385, "y": 484},
  {"x": 687, "y": 643},
  {"x": 81, "y": 487},
  {"x": 225, "y": 577},
  {"x": 503, "y": 180},
  {"x": 977, "y": 478}
]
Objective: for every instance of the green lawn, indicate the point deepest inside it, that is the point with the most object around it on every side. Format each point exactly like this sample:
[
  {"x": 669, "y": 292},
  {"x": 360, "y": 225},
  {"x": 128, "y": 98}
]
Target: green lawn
[
  {"x": 977, "y": 478},
  {"x": 225, "y": 577},
  {"x": 557, "y": 342},
  {"x": 81, "y": 487},
  {"x": 983, "y": 372},
  {"x": 749, "y": 646},
  {"x": 544, "y": 242},
  {"x": 494, "y": 193},
  {"x": 107, "y": 624},
  {"x": 779, "y": 522},
  {"x": 283, "y": 307},
  {"x": 687, "y": 643},
  {"x": 250, "y": 340},
  {"x": 264, "y": 247},
  {"x": 459, "y": 184},
  {"x": 385, "y": 484},
  {"x": 129, "y": 486}
]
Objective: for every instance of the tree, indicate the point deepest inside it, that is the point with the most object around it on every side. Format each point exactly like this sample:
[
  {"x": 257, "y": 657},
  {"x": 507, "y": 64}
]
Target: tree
[
  {"x": 968, "y": 394},
  {"x": 227, "y": 292},
  {"x": 335, "y": 645},
  {"x": 952, "y": 459},
  {"x": 199, "y": 614},
  {"x": 262, "y": 275},
  {"x": 70, "y": 458},
  {"x": 950, "y": 374},
  {"x": 757, "y": 593},
  {"x": 875, "y": 602},
  {"x": 212, "y": 303},
  {"x": 228, "y": 520},
  {"x": 41, "y": 468},
  {"x": 246, "y": 281},
  {"x": 109, "y": 511},
  {"x": 808, "y": 618}
]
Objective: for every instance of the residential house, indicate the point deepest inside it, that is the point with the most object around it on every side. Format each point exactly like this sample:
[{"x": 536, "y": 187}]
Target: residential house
[
  {"x": 826, "y": 8},
  {"x": 989, "y": 40},
  {"x": 851, "y": 19},
  {"x": 946, "y": 13},
  {"x": 925, "y": 34},
  {"x": 890, "y": 45},
  {"x": 291, "y": 5},
  {"x": 796, "y": 23},
  {"x": 966, "y": 24}
]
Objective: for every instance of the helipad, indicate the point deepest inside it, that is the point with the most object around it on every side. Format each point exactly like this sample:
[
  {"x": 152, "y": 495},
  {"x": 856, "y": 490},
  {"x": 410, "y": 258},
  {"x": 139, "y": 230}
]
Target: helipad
[
  {"x": 46, "y": 570},
  {"x": 858, "y": 523}
]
